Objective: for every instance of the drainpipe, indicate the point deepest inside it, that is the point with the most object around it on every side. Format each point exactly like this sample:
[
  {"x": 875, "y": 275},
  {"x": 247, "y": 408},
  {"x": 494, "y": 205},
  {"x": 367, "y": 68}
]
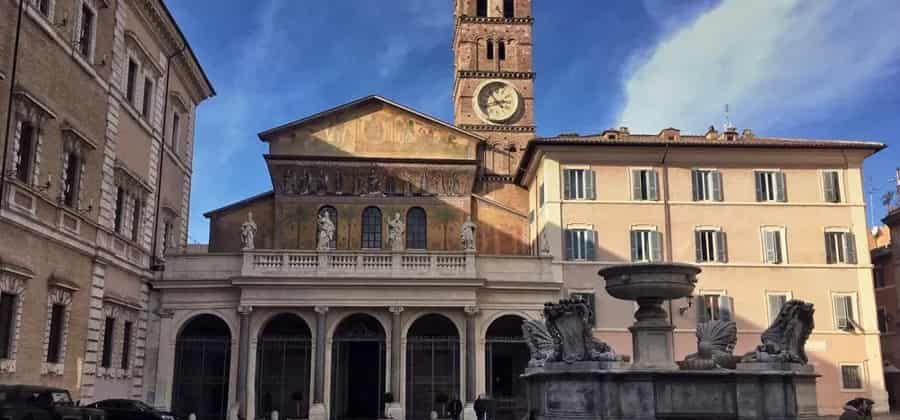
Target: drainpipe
[
  {"x": 9, "y": 110},
  {"x": 156, "y": 263}
]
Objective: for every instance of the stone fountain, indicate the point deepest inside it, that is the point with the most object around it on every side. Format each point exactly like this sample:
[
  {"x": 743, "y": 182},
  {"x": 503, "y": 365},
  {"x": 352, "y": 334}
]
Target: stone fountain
[{"x": 574, "y": 375}]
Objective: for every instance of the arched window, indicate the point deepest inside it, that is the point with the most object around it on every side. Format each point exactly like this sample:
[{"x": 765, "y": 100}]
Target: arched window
[
  {"x": 501, "y": 50},
  {"x": 416, "y": 229},
  {"x": 332, "y": 215},
  {"x": 490, "y": 49},
  {"x": 481, "y": 8},
  {"x": 371, "y": 228},
  {"x": 509, "y": 8}
]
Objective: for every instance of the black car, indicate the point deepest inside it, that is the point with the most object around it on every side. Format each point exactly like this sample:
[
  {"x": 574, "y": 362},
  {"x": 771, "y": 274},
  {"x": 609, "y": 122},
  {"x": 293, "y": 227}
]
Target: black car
[
  {"x": 27, "y": 402},
  {"x": 120, "y": 409}
]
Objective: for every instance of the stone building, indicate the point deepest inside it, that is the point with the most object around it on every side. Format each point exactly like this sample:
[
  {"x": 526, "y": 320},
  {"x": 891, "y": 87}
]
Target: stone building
[{"x": 95, "y": 185}]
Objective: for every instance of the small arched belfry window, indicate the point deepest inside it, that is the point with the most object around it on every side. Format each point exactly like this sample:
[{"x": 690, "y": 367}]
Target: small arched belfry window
[
  {"x": 501, "y": 50},
  {"x": 416, "y": 229},
  {"x": 490, "y": 49},
  {"x": 332, "y": 214},
  {"x": 371, "y": 228}
]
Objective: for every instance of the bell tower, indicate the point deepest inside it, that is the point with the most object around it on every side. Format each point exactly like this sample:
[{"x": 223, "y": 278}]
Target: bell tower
[{"x": 493, "y": 93}]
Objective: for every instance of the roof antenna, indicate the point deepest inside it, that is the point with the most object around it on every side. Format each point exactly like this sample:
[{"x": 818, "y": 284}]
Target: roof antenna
[{"x": 729, "y": 126}]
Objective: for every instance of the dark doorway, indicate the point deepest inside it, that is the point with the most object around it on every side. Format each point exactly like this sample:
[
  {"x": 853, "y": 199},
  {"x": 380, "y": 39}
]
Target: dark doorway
[
  {"x": 357, "y": 369},
  {"x": 506, "y": 356},
  {"x": 432, "y": 367},
  {"x": 202, "y": 360},
  {"x": 283, "y": 368}
]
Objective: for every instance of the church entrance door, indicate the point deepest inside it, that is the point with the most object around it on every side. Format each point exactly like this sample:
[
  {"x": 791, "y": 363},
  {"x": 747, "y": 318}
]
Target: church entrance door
[
  {"x": 357, "y": 368},
  {"x": 506, "y": 357},
  {"x": 432, "y": 367}
]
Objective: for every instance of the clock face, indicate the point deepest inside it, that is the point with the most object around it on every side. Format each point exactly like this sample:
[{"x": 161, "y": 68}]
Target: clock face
[{"x": 497, "y": 101}]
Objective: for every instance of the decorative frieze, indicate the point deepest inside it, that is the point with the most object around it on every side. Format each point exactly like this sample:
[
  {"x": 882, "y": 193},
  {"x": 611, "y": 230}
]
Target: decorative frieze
[{"x": 370, "y": 181}]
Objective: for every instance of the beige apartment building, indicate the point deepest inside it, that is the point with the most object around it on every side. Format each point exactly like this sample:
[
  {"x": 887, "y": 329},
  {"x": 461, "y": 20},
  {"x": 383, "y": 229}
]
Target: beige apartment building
[
  {"x": 767, "y": 219},
  {"x": 95, "y": 185}
]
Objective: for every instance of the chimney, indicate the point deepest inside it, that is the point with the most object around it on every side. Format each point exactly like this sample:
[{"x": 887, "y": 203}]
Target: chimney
[
  {"x": 747, "y": 134},
  {"x": 711, "y": 133},
  {"x": 624, "y": 130},
  {"x": 730, "y": 134}
]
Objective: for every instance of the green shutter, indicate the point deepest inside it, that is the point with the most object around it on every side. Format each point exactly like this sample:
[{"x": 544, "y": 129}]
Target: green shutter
[
  {"x": 567, "y": 184},
  {"x": 760, "y": 182},
  {"x": 636, "y": 184},
  {"x": 590, "y": 185},
  {"x": 591, "y": 245},
  {"x": 721, "y": 247},
  {"x": 770, "y": 245},
  {"x": 695, "y": 184},
  {"x": 655, "y": 248},
  {"x": 700, "y": 303},
  {"x": 830, "y": 257},
  {"x": 850, "y": 243},
  {"x": 635, "y": 239},
  {"x": 726, "y": 308},
  {"x": 567, "y": 234},
  {"x": 698, "y": 245},
  {"x": 780, "y": 187},
  {"x": 717, "y": 185},
  {"x": 829, "y": 183},
  {"x": 653, "y": 185}
]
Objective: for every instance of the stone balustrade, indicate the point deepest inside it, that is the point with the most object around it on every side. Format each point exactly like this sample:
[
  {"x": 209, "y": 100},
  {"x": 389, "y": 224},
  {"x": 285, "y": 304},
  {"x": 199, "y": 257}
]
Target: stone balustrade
[{"x": 386, "y": 264}]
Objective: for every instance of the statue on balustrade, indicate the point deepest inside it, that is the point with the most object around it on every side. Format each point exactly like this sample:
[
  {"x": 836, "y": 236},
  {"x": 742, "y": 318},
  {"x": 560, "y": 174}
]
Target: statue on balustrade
[
  {"x": 784, "y": 340},
  {"x": 248, "y": 233},
  {"x": 395, "y": 232},
  {"x": 565, "y": 335},
  {"x": 326, "y": 232},
  {"x": 467, "y": 234}
]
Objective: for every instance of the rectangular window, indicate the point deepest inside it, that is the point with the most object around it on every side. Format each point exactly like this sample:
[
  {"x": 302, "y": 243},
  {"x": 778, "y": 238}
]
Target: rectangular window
[
  {"x": 645, "y": 246},
  {"x": 773, "y": 246},
  {"x": 845, "y": 312},
  {"x": 770, "y": 186},
  {"x": 774, "y": 302},
  {"x": 831, "y": 181},
  {"x": 711, "y": 303},
  {"x": 882, "y": 320},
  {"x": 840, "y": 248},
  {"x": 120, "y": 209},
  {"x": 590, "y": 300},
  {"x": 707, "y": 185},
  {"x": 126, "y": 345},
  {"x": 43, "y": 6},
  {"x": 579, "y": 184},
  {"x": 54, "y": 344},
  {"x": 176, "y": 122},
  {"x": 710, "y": 245},
  {"x": 86, "y": 33},
  {"x": 580, "y": 244},
  {"x": 714, "y": 306},
  {"x": 25, "y": 152},
  {"x": 7, "y": 321},
  {"x": 136, "y": 222},
  {"x": 148, "y": 98},
  {"x": 70, "y": 187},
  {"x": 131, "y": 81},
  {"x": 851, "y": 377},
  {"x": 109, "y": 329},
  {"x": 644, "y": 185}
]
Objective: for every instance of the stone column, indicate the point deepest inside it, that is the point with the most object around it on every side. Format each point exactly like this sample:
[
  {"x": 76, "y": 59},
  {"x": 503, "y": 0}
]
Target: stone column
[
  {"x": 317, "y": 410},
  {"x": 165, "y": 367},
  {"x": 243, "y": 357},
  {"x": 469, "y": 409},
  {"x": 395, "y": 409}
]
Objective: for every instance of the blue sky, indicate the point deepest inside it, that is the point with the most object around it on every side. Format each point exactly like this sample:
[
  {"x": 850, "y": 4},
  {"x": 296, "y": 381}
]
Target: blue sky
[{"x": 791, "y": 68}]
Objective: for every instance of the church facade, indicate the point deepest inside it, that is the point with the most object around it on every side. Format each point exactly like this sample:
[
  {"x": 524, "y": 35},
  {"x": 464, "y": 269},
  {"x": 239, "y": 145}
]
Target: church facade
[{"x": 389, "y": 269}]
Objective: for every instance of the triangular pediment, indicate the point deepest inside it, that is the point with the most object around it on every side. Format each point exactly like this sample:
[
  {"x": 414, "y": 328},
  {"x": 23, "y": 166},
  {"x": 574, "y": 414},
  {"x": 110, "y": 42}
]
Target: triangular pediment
[{"x": 372, "y": 127}]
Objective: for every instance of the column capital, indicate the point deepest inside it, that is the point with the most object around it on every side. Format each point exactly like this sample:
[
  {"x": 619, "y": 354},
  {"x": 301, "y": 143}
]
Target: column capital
[
  {"x": 244, "y": 310},
  {"x": 396, "y": 310},
  {"x": 472, "y": 310},
  {"x": 321, "y": 309}
]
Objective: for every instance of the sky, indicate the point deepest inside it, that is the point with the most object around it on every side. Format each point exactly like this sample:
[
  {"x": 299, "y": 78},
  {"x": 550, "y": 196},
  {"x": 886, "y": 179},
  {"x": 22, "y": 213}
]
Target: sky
[{"x": 825, "y": 69}]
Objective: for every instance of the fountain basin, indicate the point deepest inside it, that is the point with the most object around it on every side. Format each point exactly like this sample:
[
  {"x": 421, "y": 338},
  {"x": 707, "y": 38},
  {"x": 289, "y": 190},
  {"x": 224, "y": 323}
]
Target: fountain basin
[{"x": 650, "y": 281}]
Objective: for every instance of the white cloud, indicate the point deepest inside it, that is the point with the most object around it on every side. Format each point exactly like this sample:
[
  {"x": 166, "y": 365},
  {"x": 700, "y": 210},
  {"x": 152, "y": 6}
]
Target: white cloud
[{"x": 776, "y": 62}]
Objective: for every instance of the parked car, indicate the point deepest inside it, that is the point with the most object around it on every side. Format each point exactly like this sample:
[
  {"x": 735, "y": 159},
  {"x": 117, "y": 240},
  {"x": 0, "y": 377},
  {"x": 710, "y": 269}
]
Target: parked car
[
  {"x": 27, "y": 402},
  {"x": 120, "y": 409}
]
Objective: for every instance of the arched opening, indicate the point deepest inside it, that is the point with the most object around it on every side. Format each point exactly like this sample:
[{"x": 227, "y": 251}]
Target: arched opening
[
  {"x": 357, "y": 368},
  {"x": 416, "y": 229},
  {"x": 509, "y": 8},
  {"x": 371, "y": 228},
  {"x": 506, "y": 357},
  {"x": 432, "y": 367},
  {"x": 490, "y": 49},
  {"x": 481, "y": 8},
  {"x": 331, "y": 212},
  {"x": 501, "y": 50},
  {"x": 283, "y": 367},
  {"x": 202, "y": 361}
]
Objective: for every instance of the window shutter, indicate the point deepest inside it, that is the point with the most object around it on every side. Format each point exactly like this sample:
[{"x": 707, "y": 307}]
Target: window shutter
[
  {"x": 830, "y": 257},
  {"x": 780, "y": 187},
  {"x": 840, "y": 311},
  {"x": 698, "y": 245},
  {"x": 721, "y": 247},
  {"x": 700, "y": 303},
  {"x": 653, "y": 187},
  {"x": 590, "y": 185},
  {"x": 695, "y": 184},
  {"x": 655, "y": 250},
  {"x": 775, "y": 304},
  {"x": 569, "y": 242},
  {"x": 850, "y": 243},
  {"x": 717, "y": 186},
  {"x": 636, "y": 184},
  {"x": 726, "y": 308},
  {"x": 567, "y": 184},
  {"x": 635, "y": 245},
  {"x": 829, "y": 186},
  {"x": 760, "y": 182},
  {"x": 591, "y": 245},
  {"x": 771, "y": 255}
]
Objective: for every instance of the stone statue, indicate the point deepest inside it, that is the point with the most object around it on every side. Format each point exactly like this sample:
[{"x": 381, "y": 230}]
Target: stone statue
[
  {"x": 326, "y": 232},
  {"x": 545, "y": 244},
  {"x": 305, "y": 182},
  {"x": 540, "y": 342},
  {"x": 715, "y": 346},
  {"x": 467, "y": 234},
  {"x": 291, "y": 182},
  {"x": 395, "y": 232},
  {"x": 565, "y": 335},
  {"x": 373, "y": 182},
  {"x": 784, "y": 340},
  {"x": 318, "y": 183},
  {"x": 248, "y": 233},
  {"x": 453, "y": 184}
]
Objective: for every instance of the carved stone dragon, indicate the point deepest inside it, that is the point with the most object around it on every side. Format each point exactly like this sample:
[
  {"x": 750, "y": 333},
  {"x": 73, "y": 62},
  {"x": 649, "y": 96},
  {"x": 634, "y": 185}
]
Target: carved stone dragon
[
  {"x": 565, "y": 335},
  {"x": 783, "y": 342}
]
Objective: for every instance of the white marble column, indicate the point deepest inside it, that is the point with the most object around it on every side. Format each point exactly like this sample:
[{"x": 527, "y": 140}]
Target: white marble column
[
  {"x": 165, "y": 368},
  {"x": 469, "y": 409},
  {"x": 244, "y": 312},
  {"x": 395, "y": 409},
  {"x": 317, "y": 411}
]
